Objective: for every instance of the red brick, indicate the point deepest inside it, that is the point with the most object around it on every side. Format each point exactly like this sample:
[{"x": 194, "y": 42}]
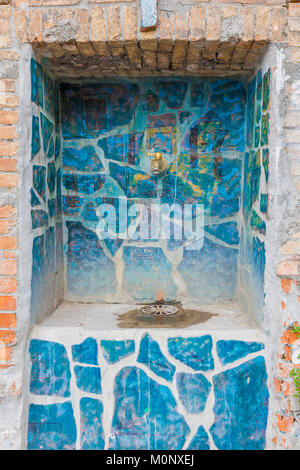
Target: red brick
[
  {"x": 289, "y": 337},
  {"x": 8, "y": 132},
  {"x": 288, "y": 268},
  {"x": 8, "y": 149},
  {"x": 6, "y": 225},
  {"x": 113, "y": 23},
  {"x": 98, "y": 24},
  {"x": 8, "y": 84},
  {"x": 8, "y": 286},
  {"x": 8, "y": 267},
  {"x": 8, "y": 320},
  {"x": 20, "y": 25},
  {"x": 7, "y": 337},
  {"x": 8, "y": 164},
  {"x": 284, "y": 423},
  {"x": 294, "y": 9},
  {"x": 8, "y": 181},
  {"x": 277, "y": 383},
  {"x": 166, "y": 27},
  {"x": 7, "y": 211},
  {"x": 286, "y": 285},
  {"x": 8, "y": 117},
  {"x": 5, "y": 353},
  {"x": 130, "y": 23},
  {"x": 213, "y": 23},
  {"x": 287, "y": 352},
  {"x": 7, "y": 302},
  {"x": 262, "y": 23},
  {"x": 6, "y": 366},
  {"x": 247, "y": 14},
  {"x": 35, "y": 26},
  {"x": 279, "y": 20}
]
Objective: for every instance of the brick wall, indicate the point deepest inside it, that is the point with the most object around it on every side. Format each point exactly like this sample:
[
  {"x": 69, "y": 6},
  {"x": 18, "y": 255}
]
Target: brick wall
[
  {"x": 287, "y": 432},
  {"x": 234, "y": 32},
  {"x": 8, "y": 185}
]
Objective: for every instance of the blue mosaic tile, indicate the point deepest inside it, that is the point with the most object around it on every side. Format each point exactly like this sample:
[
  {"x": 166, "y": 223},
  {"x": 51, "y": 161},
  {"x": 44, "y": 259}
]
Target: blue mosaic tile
[
  {"x": 172, "y": 92},
  {"x": 57, "y": 147},
  {"x": 37, "y": 276},
  {"x": 193, "y": 390},
  {"x": 49, "y": 95},
  {"x": 117, "y": 103},
  {"x": 84, "y": 159},
  {"x": 151, "y": 102},
  {"x": 241, "y": 407},
  {"x": 51, "y": 427},
  {"x": 258, "y": 262},
  {"x": 228, "y": 99},
  {"x": 141, "y": 279},
  {"x": 265, "y": 129},
  {"x": 84, "y": 256},
  {"x": 232, "y": 350},
  {"x": 34, "y": 200},
  {"x": 114, "y": 351},
  {"x": 36, "y": 83},
  {"x": 252, "y": 174},
  {"x": 199, "y": 96},
  {"x": 51, "y": 177},
  {"x": 184, "y": 116},
  {"x": 256, "y": 223},
  {"x": 50, "y": 151},
  {"x": 200, "y": 440},
  {"x": 150, "y": 354},
  {"x": 72, "y": 205},
  {"x": 51, "y": 207},
  {"x": 50, "y": 250},
  {"x": 39, "y": 218},
  {"x": 161, "y": 120},
  {"x": 194, "y": 352},
  {"x": 47, "y": 129},
  {"x": 35, "y": 140},
  {"x": 205, "y": 118},
  {"x": 86, "y": 352},
  {"x": 59, "y": 250},
  {"x": 91, "y": 426},
  {"x": 123, "y": 147},
  {"x": 227, "y": 232},
  {"x": 88, "y": 379},
  {"x": 58, "y": 192},
  {"x": 146, "y": 415},
  {"x": 264, "y": 203},
  {"x": 210, "y": 273},
  {"x": 85, "y": 184},
  {"x": 39, "y": 180},
  {"x": 135, "y": 184},
  {"x": 90, "y": 214},
  {"x": 50, "y": 370},
  {"x": 266, "y": 90}
]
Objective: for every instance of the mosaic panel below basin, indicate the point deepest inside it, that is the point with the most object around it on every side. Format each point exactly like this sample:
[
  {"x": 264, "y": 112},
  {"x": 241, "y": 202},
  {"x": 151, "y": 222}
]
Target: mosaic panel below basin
[{"x": 160, "y": 393}]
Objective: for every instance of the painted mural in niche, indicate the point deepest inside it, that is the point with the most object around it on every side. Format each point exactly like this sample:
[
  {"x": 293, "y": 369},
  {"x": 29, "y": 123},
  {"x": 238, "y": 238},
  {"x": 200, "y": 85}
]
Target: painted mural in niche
[
  {"x": 255, "y": 195},
  {"x": 109, "y": 132},
  {"x": 45, "y": 193},
  {"x": 153, "y": 399}
]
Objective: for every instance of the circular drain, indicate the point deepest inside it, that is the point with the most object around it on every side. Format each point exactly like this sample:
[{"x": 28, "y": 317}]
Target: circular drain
[{"x": 160, "y": 309}]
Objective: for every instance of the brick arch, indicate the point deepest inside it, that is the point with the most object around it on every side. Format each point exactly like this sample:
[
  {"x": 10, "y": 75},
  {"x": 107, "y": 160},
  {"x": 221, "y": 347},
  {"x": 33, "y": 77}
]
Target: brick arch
[{"x": 206, "y": 39}]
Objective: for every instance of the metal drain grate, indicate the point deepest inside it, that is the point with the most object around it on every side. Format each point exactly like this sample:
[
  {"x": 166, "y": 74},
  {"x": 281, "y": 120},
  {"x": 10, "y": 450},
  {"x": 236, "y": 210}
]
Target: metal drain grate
[{"x": 160, "y": 310}]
